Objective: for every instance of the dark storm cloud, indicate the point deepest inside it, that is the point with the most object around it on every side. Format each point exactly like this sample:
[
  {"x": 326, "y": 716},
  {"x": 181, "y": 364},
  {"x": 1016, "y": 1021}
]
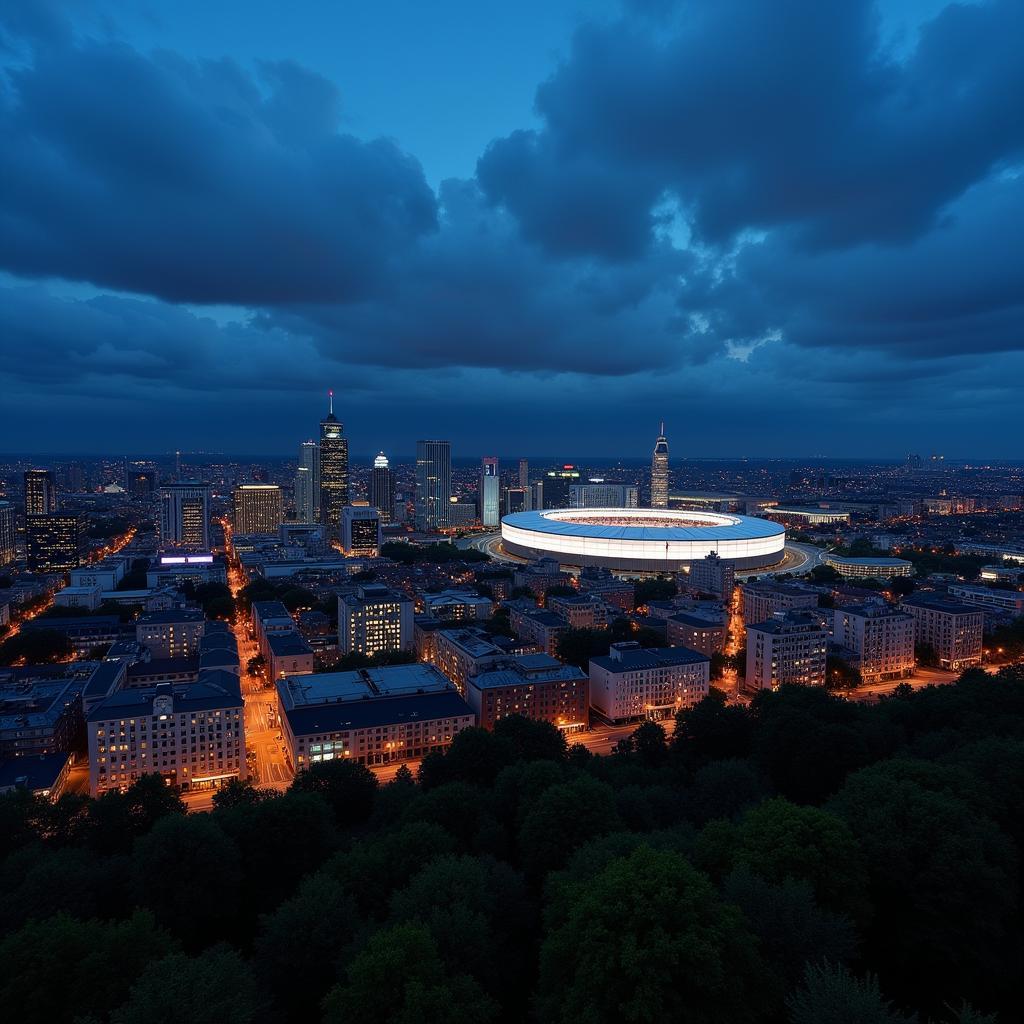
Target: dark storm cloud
[
  {"x": 757, "y": 115},
  {"x": 195, "y": 181}
]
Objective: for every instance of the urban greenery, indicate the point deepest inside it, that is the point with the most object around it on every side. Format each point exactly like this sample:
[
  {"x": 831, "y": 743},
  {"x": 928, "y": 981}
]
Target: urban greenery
[{"x": 806, "y": 860}]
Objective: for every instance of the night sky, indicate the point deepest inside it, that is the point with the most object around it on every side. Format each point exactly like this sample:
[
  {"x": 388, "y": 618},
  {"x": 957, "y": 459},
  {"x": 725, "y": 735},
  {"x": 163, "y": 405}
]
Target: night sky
[{"x": 787, "y": 228}]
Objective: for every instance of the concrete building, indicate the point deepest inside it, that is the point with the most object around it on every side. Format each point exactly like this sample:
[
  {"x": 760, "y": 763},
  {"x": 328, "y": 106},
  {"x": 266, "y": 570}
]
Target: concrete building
[
  {"x": 534, "y": 685},
  {"x": 193, "y": 735},
  {"x": 57, "y": 542},
  {"x": 41, "y": 716},
  {"x": 185, "y": 515},
  {"x": 762, "y": 599},
  {"x": 42, "y": 775},
  {"x": 807, "y": 516},
  {"x": 258, "y": 508},
  {"x": 696, "y": 633},
  {"x": 458, "y": 605},
  {"x": 581, "y": 611},
  {"x": 373, "y": 716},
  {"x": 105, "y": 575},
  {"x": 610, "y": 588},
  {"x": 288, "y": 654},
  {"x": 175, "y": 633},
  {"x": 171, "y": 569},
  {"x": 461, "y": 653},
  {"x": 659, "y": 471},
  {"x": 374, "y": 619},
  {"x": 433, "y": 485},
  {"x": 882, "y": 638},
  {"x": 788, "y": 649},
  {"x": 869, "y": 568},
  {"x": 954, "y": 630},
  {"x": 540, "y": 576},
  {"x": 713, "y": 575},
  {"x": 360, "y": 531},
  {"x": 633, "y": 682},
  {"x": 489, "y": 491},
  {"x": 534, "y": 626},
  {"x": 1004, "y": 602}
]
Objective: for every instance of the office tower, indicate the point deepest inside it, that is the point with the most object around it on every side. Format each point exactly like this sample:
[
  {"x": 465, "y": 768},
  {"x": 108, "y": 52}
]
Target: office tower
[
  {"x": 74, "y": 478},
  {"x": 556, "y": 485},
  {"x": 524, "y": 474},
  {"x": 185, "y": 515},
  {"x": 659, "y": 472},
  {"x": 599, "y": 494},
  {"x": 177, "y": 465},
  {"x": 307, "y": 483},
  {"x": 490, "y": 492},
  {"x": 40, "y": 493},
  {"x": 516, "y": 500},
  {"x": 360, "y": 530},
  {"x": 374, "y": 619},
  {"x": 258, "y": 508},
  {"x": 57, "y": 542},
  {"x": 433, "y": 484},
  {"x": 382, "y": 488},
  {"x": 535, "y": 495},
  {"x": 142, "y": 483},
  {"x": 7, "y": 549},
  {"x": 333, "y": 472}
]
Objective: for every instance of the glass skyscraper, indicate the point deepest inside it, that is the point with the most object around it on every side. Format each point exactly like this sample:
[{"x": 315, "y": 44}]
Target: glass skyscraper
[
  {"x": 490, "y": 496},
  {"x": 307, "y": 483},
  {"x": 659, "y": 472},
  {"x": 333, "y": 473},
  {"x": 433, "y": 484},
  {"x": 382, "y": 488}
]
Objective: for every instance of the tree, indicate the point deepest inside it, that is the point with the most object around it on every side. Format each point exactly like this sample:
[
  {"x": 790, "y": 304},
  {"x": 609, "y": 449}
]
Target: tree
[
  {"x": 658, "y": 589},
  {"x": 403, "y": 963},
  {"x": 648, "y": 939},
  {"x": 347, "y": 786},
  {"x": 60, "y": 969},
  {"x": 474, "y": 755},
  {"x": 578, "y": 646},
  {"x": 712, "y": 730},
  {"x": 722, "y": 789},
  {"x": 840, "y": 674},
  {"x": 36, "y": 647},
  {"x": 530, "y": 739},
  {"x": 824, "y": 574},
  {"x": 563, "y": 818},
  {"x": 215, "y": 988},
  {"x": 185, "y": 871},
  {"x": 559, "y": 590},
  {"x": 650, "y": 744},
  {"x": 831, "y": 995},
  {"x": 116, "y": 819}
]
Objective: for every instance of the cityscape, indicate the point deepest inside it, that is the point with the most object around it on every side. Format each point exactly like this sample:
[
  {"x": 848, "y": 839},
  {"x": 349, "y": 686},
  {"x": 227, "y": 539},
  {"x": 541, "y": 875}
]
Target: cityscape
[{"x": 343, "y": 678}]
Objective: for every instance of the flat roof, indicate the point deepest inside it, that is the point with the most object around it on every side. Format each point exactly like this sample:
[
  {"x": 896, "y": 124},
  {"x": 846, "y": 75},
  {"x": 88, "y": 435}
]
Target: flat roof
[
  {"x": 649, "y": 657},
  {"x": 845, "y": 560},
  {"x": 720, "y": 525},
  {"x": 366, "y": 714},
  {"x": 389, "y": 681}
]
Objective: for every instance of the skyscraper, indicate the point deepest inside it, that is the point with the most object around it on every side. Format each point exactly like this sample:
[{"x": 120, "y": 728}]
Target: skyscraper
[
  {"x": 40, "y": 493},
  {"x": 258, "y": 508},
  {"x": 56, "y": 542},
  {"x": 333, "y": 472},
  {"x": 382, "y": 488},
  {"x": 185, "y": 515},
  {"x": 659, "y": 471},
  {"x": 7, "y": 549},
  {"x": 524, "y": 474},
  {"x": 490, "y": 495},
  {"x": 433, "y": 484},
  {"x": 307, "y": 483}
]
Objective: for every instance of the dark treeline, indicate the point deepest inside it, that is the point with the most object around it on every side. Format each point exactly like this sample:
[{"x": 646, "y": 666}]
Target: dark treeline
[{"x": 808, "y": 860}]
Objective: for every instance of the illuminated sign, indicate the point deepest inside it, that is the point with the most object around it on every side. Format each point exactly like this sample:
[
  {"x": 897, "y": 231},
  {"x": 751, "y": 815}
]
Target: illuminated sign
[{"x": 186, "y": 559}]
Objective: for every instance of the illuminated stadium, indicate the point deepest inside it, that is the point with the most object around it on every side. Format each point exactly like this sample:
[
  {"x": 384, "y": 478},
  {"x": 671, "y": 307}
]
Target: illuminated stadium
[{"x": 642, "y": 539}]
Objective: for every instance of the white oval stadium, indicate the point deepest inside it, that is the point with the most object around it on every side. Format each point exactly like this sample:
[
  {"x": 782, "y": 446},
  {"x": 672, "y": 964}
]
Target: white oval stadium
[{"x": 642, "y": 539}]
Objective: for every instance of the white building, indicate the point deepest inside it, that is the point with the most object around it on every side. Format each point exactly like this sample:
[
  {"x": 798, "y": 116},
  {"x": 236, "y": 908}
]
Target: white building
[
  {"x": 458, "y": 604},
  {"x": 881, "y": 636},
  {"x": 763, "y": 599},
  {"x": 1008, "y": 602},
  {"x": 952, "y": 629},
  {"x": 193, "y": 735},
  {"x": 632, "y": 682},
  {"x": 869, "y": 568},
  {"x": 374, "y": 619},
  {"x": 788, "y": 649}
]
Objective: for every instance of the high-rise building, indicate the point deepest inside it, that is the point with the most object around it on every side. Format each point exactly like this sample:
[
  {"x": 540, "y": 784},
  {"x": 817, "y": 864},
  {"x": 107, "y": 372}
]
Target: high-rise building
[
  {"x": 374, "y": 619},
  {"x": 185, "y": 515},
  {"x": 360, "y": 530},
  {"x": 307, "y": 483},
  {"x": 141, "y": 483},
  {"x": 258, "y": 508},
  {"x": 333, "y": 472},
  {"x": 659, "y": 472},
  {"x": 433, "y": 484},
  {"x": 600, "y": 494},
  {"x": 524, "y": 473},
  {"x": 40, "y": 493},
  {"x": 490, "y": 491},
  {"x": 382, "y": 488},
  {"x": 516, "y": 500},
  {"x": 57, "y": 542},
  {"x": 7, "y": 527},
  {"x": 556, "y": 486}
]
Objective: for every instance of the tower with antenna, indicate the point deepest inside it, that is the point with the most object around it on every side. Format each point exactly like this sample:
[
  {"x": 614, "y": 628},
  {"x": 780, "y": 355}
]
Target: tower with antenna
[
  {"x": 333, "y": 471},
  {"x": 659, "y": 471}
]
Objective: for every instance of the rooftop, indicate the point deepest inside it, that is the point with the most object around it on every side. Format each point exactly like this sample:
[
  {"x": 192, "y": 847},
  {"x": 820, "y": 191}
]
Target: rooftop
[
  {"x": 614, "y": 523},
  {"x": 367, "y": 714},
  {"x": 172, "y": 615},
  {"x": 630, "y": 658},
  {"x": 390, "y": 681}
]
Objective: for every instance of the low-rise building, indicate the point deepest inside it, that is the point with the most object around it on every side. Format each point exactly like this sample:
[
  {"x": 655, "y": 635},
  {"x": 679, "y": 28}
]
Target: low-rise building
[
  {"x": 580, "y": 611},
  {"x": 460, "y": 653},
  {"x": 288, "y": 654},
  {"x": 762, "y": 599},
  {"x": 713, "y": 575},
  {"x": 1006, "y": 602},
  {"x": 42, "y": 775},
  {"x": 633, "y": 682},
  {"x": 952, "y": 629},
  {"x": 542, "y": 628},
  {"x": 790, "y": 649},
  {"x": 707, "y": 636},
  {"x": 605, "y": 584},
  {"x": 374, "y": 619},
  {"x": 40, "y": 716},
  {"x": 458, "y": 605},
  {"x": 373, "y": 716},
  {"x": 540, "y": 576},
  {"x": 881, "y": 637},
  {"x": 174, "y": 633},
  {"x": 534, "y": 685},
  {"x": 193, "y": 735}
]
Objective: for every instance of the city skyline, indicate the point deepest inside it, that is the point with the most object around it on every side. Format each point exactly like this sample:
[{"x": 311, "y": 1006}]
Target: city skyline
[{"x": 782, "y": 269}]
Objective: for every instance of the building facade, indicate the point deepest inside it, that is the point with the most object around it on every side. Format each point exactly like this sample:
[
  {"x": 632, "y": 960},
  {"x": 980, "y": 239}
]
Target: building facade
[
  {"x": 952, "y": 629},
  {"x": 307, "y": 483},
  {"x": 489, "y": 491},
  {"x": 333, "y": 472},
  {"x": 602, "y": 494},
  {"x": 40, "y": 492},
  {"x": 175, "y": 633},
  {"x": 633, "y": 682},
  {"x": 713, "y": 575},
  {"x": 57, "y": 542},
  {"x": 659, "y": 471},
  {"x": 382, "y": 488},
  {"x": 763, "y": 599},
  {"x": 374, "y": 619},
  {"x": 881, "y": 636},
  {"x": 185, "y": 515},
  {"x": 433, "y": 485},
  {"x": 258, "y": 508},
  {"x": 789, "y": 649},
  {"x": 360, "y": 531},
  {"x": 8, "y": 548}
]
